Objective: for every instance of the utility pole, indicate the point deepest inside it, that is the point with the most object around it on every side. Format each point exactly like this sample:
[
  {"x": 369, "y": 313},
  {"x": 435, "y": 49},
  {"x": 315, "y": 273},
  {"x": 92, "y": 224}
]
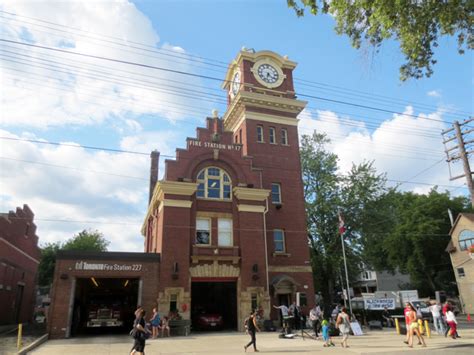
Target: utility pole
[{"x": 459, "y": 152}]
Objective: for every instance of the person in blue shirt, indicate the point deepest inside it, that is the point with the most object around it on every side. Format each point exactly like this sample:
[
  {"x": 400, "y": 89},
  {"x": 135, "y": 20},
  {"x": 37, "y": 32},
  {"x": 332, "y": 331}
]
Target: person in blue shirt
[{"x": 325, "y": 330}]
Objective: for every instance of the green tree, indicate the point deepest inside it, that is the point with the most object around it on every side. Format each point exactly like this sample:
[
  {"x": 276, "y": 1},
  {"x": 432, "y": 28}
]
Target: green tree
[
  {"x": 47, "y": 263},
  {"x": 414, "y": 237},
  {"x": 416, "y": 25},
  {"x": 85, "y": 240},
  {"x": 325, "y": 192}
]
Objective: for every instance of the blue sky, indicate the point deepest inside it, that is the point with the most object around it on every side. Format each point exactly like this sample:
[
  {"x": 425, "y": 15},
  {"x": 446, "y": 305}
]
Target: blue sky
[{"x": 58, "y": 97}]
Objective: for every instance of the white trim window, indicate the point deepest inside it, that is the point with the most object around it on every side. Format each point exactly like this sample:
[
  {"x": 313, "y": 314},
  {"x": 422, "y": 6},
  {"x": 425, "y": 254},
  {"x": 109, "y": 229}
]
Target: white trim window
[
  {"x": 260, "y": 134},
  {"x": 466, "y": 239},
  {"x": 279, "y": 240},
  {"x": 284, "y": 136},
  {"x": 272, "y": 135},
  {"x": 224, "y": 228},
  {"x": 203, "y": 231},
  {"x": 214, "y": 183},
  {"x": 276, "y": 193}
]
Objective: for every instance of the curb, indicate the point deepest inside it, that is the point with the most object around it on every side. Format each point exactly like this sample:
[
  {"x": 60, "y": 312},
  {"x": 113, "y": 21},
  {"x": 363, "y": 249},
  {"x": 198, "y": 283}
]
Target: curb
[{"x": 33, "y": 345}]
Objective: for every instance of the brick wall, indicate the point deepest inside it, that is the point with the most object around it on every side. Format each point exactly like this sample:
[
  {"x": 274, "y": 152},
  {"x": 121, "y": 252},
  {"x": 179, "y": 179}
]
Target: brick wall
[{"x": 19, "y": 259}]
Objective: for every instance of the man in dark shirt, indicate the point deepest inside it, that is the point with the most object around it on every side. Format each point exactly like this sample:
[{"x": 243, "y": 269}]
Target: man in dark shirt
[{"x": 387, "y": 318}]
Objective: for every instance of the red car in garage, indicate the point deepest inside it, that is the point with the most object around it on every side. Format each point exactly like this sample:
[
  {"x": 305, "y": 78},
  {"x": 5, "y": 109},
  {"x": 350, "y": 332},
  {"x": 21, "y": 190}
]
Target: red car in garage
[{"x": 209, "y": 321}]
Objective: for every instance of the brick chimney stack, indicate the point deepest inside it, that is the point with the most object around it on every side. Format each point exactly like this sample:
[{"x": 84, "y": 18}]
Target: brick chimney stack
[{"x": 155, "y": 158}]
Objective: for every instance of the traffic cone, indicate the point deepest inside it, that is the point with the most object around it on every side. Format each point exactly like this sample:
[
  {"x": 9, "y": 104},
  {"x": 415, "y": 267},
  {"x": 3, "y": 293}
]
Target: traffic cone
[{"x": 468, "y": 317}]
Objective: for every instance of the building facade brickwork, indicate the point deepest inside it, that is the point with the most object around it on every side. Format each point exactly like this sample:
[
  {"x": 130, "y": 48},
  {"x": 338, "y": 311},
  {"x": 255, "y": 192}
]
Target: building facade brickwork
[
  {"x": 19, "y": 259},
  {"x": 255, "y": 147}
]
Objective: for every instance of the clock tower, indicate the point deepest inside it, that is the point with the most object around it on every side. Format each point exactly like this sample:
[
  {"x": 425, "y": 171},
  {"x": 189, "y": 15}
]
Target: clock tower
[{"x": 262, "y": 116}]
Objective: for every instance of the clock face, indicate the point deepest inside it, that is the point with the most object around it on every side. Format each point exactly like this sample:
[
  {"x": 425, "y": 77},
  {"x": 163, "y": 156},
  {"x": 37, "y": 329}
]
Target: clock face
[
  {"x": 267, "y": 73},
  {"x": 236, "y": 83}
]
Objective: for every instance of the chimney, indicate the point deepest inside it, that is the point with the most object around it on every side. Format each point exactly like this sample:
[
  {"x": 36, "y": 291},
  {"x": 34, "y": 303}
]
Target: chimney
[{"x": 155, "y": 157}]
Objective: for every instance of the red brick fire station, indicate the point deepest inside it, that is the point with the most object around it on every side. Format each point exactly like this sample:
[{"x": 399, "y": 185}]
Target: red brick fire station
[{"x": 228, "y": 219}]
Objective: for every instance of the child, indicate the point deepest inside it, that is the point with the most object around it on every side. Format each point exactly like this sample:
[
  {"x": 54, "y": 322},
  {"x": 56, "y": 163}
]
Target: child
[
  {"x": 452, "y": 323},
  {"x": 325, "y": 330}
]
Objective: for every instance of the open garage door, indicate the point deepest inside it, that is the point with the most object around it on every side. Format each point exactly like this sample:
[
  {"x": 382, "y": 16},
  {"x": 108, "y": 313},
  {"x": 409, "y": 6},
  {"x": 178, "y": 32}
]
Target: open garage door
[
  {"x": 104, "y": 305},
  {"x": 214, "y": 304}
]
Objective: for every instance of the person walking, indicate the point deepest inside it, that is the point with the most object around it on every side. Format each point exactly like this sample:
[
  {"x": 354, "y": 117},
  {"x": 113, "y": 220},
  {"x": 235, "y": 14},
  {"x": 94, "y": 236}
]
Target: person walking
[
  {"x": 139, "y": 333},
  {"x": 435, "y": 310},
  {"x": 414, "y": 328},
  {"x": 452, "y": 323},
  {"x": 252, "y": 328},
  {"x": 325, "y": 331},
  {"x": 344, "y": 325}
]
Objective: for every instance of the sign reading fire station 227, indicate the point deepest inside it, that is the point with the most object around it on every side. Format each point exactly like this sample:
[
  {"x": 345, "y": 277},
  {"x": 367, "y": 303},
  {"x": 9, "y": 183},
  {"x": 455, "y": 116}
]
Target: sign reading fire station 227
[
  {"x": 214, "y": 145},
  {"x": 82, "y": 265}
]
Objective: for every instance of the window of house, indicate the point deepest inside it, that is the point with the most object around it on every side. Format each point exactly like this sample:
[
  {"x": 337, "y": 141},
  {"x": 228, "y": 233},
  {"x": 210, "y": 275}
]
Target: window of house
[
  {"x": 461, "y": 272},
  {"x": 240, "y": 136},
  {"x": 214, "y": 183},
  {"x": 203, "y": 231},
  {"x": 276, "y": 193},
  {"x": 173, "y": 302},
  {"x": 254, "y": 299},
  {"x": 260, "y": 134},
  {"x": 279, "y": 240},
  {"x": 272, "y": 135},
  {"x": 224, "y": 228},
  {"x": 302, "y": 299},
  {"x": 284, "y": 136},
  {"x": 466, "y": 239}
]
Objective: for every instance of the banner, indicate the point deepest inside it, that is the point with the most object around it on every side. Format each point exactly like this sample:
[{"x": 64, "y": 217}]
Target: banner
[{"x": 379, "y": 303}]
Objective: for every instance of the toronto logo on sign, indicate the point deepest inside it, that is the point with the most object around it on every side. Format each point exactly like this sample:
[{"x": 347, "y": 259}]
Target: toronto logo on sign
[{"x": 83, "y": 265}]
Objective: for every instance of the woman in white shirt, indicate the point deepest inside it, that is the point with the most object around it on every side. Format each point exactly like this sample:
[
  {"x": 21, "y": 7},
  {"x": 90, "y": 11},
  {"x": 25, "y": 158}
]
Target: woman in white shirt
[{"x": 452, "y": 323}]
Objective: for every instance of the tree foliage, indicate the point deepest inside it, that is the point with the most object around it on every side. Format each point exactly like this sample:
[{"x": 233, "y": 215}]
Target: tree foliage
[
  {"x": 416, "y": 25},
  {"x": 413, "y": 238},
  {"x": 85, "y": 240},
  {"x": 325, "y": 192}
]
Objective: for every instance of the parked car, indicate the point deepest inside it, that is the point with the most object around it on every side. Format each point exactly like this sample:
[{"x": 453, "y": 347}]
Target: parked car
[{"x": 209, "y": 321}]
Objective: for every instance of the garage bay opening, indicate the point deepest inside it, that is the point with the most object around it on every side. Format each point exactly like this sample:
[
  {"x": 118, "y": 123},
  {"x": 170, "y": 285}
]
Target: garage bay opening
[
  {"x": 214, "y": 304},
  {"x": 104, "y": 305}
]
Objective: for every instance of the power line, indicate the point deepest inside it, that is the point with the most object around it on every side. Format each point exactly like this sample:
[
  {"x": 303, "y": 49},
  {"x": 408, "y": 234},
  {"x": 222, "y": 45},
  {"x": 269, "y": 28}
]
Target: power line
[
  {"x": 208, "y": 77},
  {"x": 72, "y": 168},
  {"x": 194, "y": 58},
  {"x": 319, "y": 113}
]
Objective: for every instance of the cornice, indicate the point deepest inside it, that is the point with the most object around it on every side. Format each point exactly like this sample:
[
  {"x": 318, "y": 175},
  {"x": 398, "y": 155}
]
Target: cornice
[
  {"x": 250, "y": 208},
  {"x": 167, "y": 187},
  {"x": 245, "y": 193},
  {"x": 246, "y": 99}
]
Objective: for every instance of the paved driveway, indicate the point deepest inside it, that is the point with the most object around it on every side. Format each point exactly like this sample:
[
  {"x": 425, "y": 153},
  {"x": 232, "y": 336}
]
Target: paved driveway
[{"x": 375, "y": 342}]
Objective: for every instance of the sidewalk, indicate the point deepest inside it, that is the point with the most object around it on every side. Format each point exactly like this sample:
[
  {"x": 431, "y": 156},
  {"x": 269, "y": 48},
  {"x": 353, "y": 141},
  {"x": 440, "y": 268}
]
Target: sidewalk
[{"x": 375, "y": 342}]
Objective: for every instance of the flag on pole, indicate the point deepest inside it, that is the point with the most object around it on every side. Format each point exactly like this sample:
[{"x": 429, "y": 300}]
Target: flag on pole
[{"x": 342, "y": 227}]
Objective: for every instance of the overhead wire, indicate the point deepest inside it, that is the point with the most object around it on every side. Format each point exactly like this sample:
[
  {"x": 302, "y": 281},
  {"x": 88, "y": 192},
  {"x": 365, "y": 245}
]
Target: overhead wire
[
  {"x": 212, "y": 62},
  {"x": 309, "y": 107},
  {"x": 181, "y": 72}
]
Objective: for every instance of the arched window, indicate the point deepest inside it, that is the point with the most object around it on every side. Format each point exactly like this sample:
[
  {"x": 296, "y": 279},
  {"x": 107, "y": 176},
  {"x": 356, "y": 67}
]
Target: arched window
[
  {"x": 466, "y": 239},
  {"x": 214, "y": 183}
]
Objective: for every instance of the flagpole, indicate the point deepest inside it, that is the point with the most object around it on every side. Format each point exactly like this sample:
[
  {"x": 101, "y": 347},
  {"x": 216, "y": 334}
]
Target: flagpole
[{"x": 347, "y": 275}]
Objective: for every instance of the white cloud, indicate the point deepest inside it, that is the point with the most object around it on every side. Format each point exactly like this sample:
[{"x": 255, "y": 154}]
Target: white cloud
[
  {"x": 402, "y": 145},
  {"x": 434, "y": 93},
  {"x": 57, "y": 89},
  {"x": 108, "y": 189}
]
